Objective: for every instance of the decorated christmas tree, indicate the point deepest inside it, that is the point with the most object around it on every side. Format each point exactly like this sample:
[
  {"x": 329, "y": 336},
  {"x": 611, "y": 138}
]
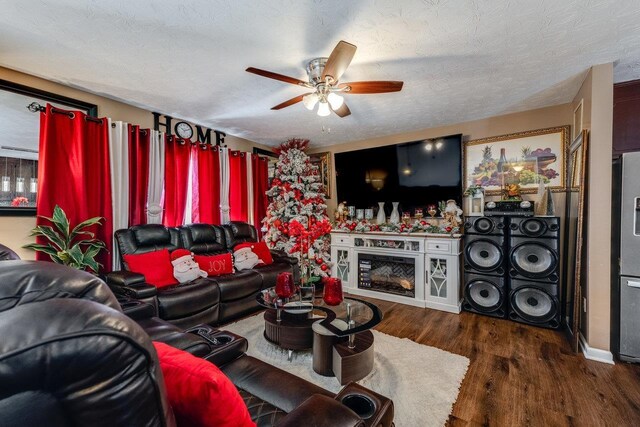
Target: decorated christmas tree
[{"x": 297, "y": 220}]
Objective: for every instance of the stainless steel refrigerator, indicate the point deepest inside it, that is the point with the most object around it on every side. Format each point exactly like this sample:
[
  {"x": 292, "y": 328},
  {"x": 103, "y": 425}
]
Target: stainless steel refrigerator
[{"x": 627, "y": 286}]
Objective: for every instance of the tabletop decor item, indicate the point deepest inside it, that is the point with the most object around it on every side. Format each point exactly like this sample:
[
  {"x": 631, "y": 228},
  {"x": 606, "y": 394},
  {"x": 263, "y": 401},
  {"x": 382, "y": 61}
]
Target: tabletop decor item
[
  {"x": 395, "y": 215},
  {"x": 451, "y": 213},
  {"x": 381, "y": 218},
  {"x": 285, "y": 287},
  {"x": 432, "y": 211},
  {"x": 418, "y": 214},
  {"x": 332, "y": 294},
  {"x": 359, "y": 214},
  {"x": 368, "y": 214},
  {"x": 406, "y": 218},
  {"x": 75, "y": 247},
  {"x": 421, "y": 226}
]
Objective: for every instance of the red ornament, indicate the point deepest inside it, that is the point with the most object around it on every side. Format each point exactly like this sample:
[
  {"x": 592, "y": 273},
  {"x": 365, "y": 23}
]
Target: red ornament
[
  {"x": 318, "y": 261},
  {"x": 323, "y": 267},
  {"x": 448, "y": 229},
  {"x": 277, "y": 223}
]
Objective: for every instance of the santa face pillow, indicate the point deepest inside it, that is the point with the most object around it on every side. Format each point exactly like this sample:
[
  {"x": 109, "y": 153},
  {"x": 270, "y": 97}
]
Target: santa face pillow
[
  {"x": 185, "y": 269},
  {"x": 245, "y": 259}
]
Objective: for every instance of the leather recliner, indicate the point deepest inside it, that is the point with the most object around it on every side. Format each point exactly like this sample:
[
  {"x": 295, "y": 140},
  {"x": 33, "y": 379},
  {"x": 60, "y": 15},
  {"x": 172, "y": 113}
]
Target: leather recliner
[
  {"x": 184, "y": 305},
  {"x": 69, "y": 356},
  {"x": 212, "y": 300}
]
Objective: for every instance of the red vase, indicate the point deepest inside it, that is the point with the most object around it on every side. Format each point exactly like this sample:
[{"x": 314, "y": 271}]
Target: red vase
[
  {"x": 285, "y": 288},
  {"x": 332, "y": 294}
]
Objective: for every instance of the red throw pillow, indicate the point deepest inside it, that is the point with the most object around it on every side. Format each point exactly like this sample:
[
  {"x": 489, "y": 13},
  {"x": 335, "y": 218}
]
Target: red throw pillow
[
  {"x": 215, "y": 265},
  {"x": 198, "y": 392},
  {"x": 259, "y": 248},
  {"x": 154, "y": 266}
]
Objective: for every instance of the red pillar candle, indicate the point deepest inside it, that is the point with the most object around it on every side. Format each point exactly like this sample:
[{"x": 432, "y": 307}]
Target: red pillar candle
[{"x": 332, "y": 291}]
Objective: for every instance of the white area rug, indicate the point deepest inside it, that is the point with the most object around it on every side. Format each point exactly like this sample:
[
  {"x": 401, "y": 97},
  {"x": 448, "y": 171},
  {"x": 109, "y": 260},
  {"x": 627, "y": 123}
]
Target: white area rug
[{"x": 422, "y": 381}]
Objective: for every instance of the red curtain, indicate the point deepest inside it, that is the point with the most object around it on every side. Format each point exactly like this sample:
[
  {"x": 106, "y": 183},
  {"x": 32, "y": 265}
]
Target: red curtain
[
  {"x": 176, "y": 180},
  {"x": 74, "y": 173},
  {"x": 238, "y": 186},
  {"x": 138, "y": 174},
  {"x": 260, "y": 187},
  {"x": 208, "y": 182}
]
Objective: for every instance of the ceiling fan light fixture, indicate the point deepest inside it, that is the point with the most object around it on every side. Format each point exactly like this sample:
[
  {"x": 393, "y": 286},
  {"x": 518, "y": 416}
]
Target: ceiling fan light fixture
[
  {"x": 310, "y": 101},
  {"x": 335, "y": 100},
  {"x": 323, "y": 109}
]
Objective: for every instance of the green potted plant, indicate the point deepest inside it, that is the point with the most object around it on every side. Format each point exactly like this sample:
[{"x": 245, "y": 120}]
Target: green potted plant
[{"x": 75, "y": 247}]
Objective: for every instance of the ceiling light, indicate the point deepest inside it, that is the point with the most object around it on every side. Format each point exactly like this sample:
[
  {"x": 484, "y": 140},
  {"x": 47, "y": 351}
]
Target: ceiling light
[
  {"x": 6, "y": 184},
  {"x": 20, "y": 185},
  {"x": 310, "y": 100},
  {"x": 336, "y": 101},
  {"x": 439, "y": 145},
  {"x": 33, "y": 185},
  {"x": 323, "y": 109},
  {"x": 429, "y": 146},
  {"x": 406, "y": 171}
]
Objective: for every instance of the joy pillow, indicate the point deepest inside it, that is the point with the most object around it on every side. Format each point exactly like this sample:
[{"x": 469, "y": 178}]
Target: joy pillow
[{"x": 215, "y": 265}]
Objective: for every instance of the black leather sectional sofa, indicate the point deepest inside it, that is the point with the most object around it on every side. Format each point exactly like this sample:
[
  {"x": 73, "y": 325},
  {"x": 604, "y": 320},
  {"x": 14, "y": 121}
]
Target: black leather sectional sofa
[
  {"x": 212, "y": 300},
  {"x": 72, "y": 353}
]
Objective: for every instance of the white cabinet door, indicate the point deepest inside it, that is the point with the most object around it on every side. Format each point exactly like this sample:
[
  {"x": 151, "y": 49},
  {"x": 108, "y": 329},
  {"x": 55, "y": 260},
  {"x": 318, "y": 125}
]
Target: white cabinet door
[
  {"x": 442, "y": 287},
  {"x": 343, "y": 267}
]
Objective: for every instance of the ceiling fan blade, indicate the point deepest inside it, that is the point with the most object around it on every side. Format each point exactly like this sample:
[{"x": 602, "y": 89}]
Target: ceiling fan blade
[
  {"x": 339, "y": 60},
  {"x": 372, "y": 87},
  {"x": 343, "y": 111},
  {"x": 276, "y": 76},
  {"x": 289, "y": 102}
]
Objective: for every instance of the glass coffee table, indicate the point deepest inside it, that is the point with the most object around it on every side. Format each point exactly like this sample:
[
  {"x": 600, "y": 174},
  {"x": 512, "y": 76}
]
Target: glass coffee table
[{"x": 339, "y": 335}]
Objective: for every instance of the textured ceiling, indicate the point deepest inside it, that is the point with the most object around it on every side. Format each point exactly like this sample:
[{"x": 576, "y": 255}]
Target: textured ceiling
[{"x": 460, "y": 59}]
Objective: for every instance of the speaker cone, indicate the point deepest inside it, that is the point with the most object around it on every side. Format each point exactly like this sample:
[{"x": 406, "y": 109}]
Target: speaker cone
[
  {"x": 533, "y": 227},
  {"x": 533, "y": 305},
  {"x": 483, "y": 295},
  {"x": 533, "y": 260},
  {"x": 484, "y": 255},
  {"x": 483, "y": 225}
]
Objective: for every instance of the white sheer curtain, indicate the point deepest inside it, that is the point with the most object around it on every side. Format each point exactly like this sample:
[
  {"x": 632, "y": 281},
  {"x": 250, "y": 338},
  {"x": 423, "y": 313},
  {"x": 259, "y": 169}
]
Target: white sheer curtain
[
  {"x": 224, "y": 185},
  {"x": 119, "y": 163},
  {"x": 250, "y": 202},
  {"x": 156, "y": 177}
]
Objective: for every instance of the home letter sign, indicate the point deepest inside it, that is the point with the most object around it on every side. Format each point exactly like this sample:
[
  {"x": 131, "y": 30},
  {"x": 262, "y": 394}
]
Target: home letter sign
[{"x": 203, "y": 134}]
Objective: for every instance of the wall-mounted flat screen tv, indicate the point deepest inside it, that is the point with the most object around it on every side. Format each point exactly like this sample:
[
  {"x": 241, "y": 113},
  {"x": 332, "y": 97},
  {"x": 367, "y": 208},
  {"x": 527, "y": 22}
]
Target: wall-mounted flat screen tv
[{"x": 416, "y": 174}]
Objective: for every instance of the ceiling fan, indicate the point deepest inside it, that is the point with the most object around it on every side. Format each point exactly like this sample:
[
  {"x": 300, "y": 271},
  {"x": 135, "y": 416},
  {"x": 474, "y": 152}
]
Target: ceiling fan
[{"x": 324, "y": 76}]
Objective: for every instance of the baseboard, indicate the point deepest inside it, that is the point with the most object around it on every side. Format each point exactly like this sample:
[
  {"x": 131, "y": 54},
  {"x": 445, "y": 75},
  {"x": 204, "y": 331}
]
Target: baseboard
[{"x": 595, "y": 354}]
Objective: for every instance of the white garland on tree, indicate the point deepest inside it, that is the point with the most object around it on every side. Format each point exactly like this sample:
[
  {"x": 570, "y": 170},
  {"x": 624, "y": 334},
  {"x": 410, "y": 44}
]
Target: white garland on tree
[{"x": 297, "y": 209}]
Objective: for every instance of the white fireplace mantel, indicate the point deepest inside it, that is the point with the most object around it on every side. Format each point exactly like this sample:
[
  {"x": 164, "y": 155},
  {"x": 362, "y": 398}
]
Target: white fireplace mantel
[{"x": 436, "y": 258}]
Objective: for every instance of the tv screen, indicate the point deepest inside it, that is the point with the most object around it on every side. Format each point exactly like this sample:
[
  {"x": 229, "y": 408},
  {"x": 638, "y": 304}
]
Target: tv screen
[{"x": 416, "y": 174}]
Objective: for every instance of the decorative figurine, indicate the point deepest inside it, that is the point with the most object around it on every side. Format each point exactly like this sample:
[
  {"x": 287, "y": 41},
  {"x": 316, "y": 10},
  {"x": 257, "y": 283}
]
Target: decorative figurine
[
  {"x": 451, "y": 214},
  {"x": 418, "y": 214},
  {"x": 341, "y": 211},
  {"x": 406, "y": 218},
  {"x": 431, "y": 210}
]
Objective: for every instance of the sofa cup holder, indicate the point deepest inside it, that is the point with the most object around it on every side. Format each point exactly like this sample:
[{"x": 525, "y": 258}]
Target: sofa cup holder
[
  {"x": 212, "y": 336},
  {"x": 360, "y": 404},
  {"x": 130, "y": 304},
  {"x": 223, "y": 339}
]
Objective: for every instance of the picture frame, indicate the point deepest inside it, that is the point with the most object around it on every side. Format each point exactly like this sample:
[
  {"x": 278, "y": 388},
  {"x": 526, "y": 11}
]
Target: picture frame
[
  {"x": 529, "y": 158},
  {"x": 578, "y": 116},
  {"x": 323, "y": 161},
  {"x": 19, "y": 156}
]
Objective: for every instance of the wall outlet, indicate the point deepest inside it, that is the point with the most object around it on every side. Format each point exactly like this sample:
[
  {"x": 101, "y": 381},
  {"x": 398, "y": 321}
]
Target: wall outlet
[{"x": 584, "y": 304}]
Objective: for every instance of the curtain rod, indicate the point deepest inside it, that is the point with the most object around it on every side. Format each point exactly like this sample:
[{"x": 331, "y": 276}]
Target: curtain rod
[{"x": 34, "y": 107}]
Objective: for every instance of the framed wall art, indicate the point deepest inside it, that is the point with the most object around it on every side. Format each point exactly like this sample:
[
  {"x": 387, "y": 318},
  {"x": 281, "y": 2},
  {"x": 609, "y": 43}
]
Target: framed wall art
[
  {"x": 323, "y": 161},
  {"x": 524, "y": 158},
  {"x": 578, "y": 116}
]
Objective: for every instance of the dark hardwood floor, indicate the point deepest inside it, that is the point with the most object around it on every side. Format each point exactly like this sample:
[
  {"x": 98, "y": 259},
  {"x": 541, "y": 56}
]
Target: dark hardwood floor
[{"x": 521, "y": 375}]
